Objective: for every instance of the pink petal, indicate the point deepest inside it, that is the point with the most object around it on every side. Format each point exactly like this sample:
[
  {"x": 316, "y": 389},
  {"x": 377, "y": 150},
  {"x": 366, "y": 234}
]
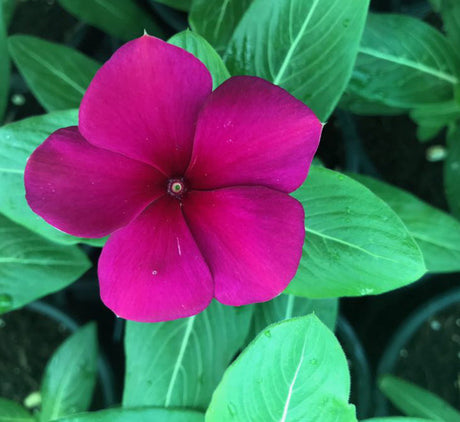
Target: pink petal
[
  {"x": 144, "y": 103},
  {"x": 152, "y": 270},
  {"x": 251, "y": 238},
  {"x": 251, "y": 132},
  {"x": 87, "y": 191}
]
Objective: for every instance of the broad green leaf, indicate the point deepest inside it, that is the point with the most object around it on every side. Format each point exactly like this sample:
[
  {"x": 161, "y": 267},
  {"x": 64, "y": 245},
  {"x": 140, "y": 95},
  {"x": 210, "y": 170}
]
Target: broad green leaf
[
  {"x": 11, "y": 411},
  {"x": 57, "y": 75},
  {"x": 17, "y": 142},
  {"x": 182, "y": 361},
  {"x": 308, "y": 47},
  {"x": 202, "y": 50},
  {"x": 355, "y": 244},
  {"x": 123, "y": 19},
  {"x": 437, "y": 233},
  {"x": 402, "y": 63},
  {"x": 216, "y": 20},
  {"x": 289, "y": 306},
  {"x": 137, "y": 415},
  {"x": 8, "y": 7},
  {"x": 32, "y": 267},
  {"x": 452, "y": 170},
  {"x": 4, "y": 67},
  {"x": 70, "y": 376},
  {"x": 397, "y": 419},
  {"x": 415, "y": 401},
  {"x": 432, "y": 118},
  {"x": 293, "y": 371},
  {"x": 183, "y": 5},
  {"x": 450, "y": 12}
]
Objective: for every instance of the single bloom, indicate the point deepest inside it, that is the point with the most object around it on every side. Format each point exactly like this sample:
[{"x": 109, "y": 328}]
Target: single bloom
[{"x": 192, "y": 185}]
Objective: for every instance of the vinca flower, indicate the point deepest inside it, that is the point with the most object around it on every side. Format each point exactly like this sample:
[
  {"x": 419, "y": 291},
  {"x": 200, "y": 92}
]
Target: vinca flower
[{"x": 191, "y": 185}]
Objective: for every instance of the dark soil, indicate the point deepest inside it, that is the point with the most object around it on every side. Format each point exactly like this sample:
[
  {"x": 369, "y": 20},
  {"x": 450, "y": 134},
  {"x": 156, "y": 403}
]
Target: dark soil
[
  {"x": 432, "y": 357},
  {"x": 27, "y": 341}
]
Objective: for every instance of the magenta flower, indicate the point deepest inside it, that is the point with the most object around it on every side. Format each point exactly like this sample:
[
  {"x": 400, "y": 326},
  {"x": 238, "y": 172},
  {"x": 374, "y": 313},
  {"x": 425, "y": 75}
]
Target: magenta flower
[{"x": 191, "y": 185}]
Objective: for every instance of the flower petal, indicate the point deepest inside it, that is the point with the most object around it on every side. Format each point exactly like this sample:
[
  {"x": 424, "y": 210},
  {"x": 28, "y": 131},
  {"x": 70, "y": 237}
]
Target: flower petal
[
  {"x": 251, "y": 238},
  {"x": 87, "y": 191},
  {"x": 152, "y": 270},
  {"x": 144, "y": 103},
  {"x": 251, "y": 132}
]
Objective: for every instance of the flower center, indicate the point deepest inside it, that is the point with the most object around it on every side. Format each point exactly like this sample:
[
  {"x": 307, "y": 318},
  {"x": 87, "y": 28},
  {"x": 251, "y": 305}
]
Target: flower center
[{"x": 176, "y": 188}]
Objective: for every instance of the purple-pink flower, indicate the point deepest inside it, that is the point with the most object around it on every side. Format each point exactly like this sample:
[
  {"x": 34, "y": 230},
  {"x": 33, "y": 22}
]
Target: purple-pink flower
[{"x": 191, "y": 185}]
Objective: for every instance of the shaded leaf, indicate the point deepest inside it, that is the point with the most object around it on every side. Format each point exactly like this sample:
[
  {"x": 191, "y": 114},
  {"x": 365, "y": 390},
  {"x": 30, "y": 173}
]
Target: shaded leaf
[
  {"x": 450, "y": 12},
  {"x": 32, "y": 267},
  {"x": 4, "y": 66},
  {"x": 183, "y": 5},
  {"x": 202, "y": 50},
  {"x": 437, "y": 233},
  {"x": 123, "y": 19},
  {"x": 70, "y": 376},
  {"x": 293, "y": 371},
  {"x": 307, "y": 47},
  {"x": 182, "y": 361},
  {"x": 415, "y": 401},
  {"x": 10, "y": 411},
  {"x": 17, "y": 142},
  {"x": 402, "y": 63},
  {"x": 355, "y": 244},
  {"x": 452, "y": 170},
  {"x": 289, "y": 306},
  {"x": 216, "y": 20},
  {"x": 137, "y": 415},
  {"x": 57, "y": 75}
]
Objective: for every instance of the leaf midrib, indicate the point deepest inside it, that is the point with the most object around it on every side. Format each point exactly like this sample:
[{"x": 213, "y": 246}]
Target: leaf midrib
[
  {"x": 350, "y": 245},
  {"x": 409, "y": 63},
  {"x": 294, "y": 45}
]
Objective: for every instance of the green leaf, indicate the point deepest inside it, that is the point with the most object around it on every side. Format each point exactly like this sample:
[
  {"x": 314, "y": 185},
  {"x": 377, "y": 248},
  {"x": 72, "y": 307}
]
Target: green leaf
[
  {"x": 10, "y": 411},
  {"x": 4, "y": 67},
  {"x": 182, "y": 361},
  {"x": 431, "y": 118},
  {"x": 288, "y": 306},
  {"x": 70, "y": 376},
  {"x": 436, "y": 232},
  {"x": 17, "y": 142},
  {"x": 183, "y": 5},
  {"x": 57, "y": 75},
  {"x": 452, "y": 170},
  {"x": 32, "y": 267},
  {"x": 202, "y": 50},
  {"x": 415, "y": 401},
  {"x": 397, "y": 419},
  {"x": 137, "y": 415},
  {"x": 123, "y": 19},
  {"x": 293, "y": 371},
  {"x": 307, "y": 47},
  {"x": 402, "y": 63},
  {"x": 216, "y": 20},
  {"x": 8, "y": 7},
  {"x": 450, "y": 13},
  {"x": 355, "y": 244}
]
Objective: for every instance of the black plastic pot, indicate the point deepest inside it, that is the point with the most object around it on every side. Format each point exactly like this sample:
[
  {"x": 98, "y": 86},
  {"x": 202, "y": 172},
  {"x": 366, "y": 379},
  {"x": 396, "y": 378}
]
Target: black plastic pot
[
  {"x": 64, "y": 326},
  {"x": 425, "y": 350},
  {"x": 361, "y": 380}
]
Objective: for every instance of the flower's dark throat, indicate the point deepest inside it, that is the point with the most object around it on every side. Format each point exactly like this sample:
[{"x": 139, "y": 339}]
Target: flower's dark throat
[{"x": 177, "y": 187}]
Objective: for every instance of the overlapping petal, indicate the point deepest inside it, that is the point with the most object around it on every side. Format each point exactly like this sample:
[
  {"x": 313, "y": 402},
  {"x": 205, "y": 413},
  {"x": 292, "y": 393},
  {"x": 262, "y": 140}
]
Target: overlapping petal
[
  {"x": 144, "y": 103},
  {"x": 251, "y": 132},
  {"x": 251, "y": 238},
  {"x": 87, "y": 191},
  {"x": 152, "y": 270}
]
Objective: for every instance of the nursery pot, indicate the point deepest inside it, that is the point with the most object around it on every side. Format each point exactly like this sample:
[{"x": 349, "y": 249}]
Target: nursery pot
[
  {"x": 426, "y": 350},
  {"x": 28, "y": 339},
  {"x": 361, "y": 382}
]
